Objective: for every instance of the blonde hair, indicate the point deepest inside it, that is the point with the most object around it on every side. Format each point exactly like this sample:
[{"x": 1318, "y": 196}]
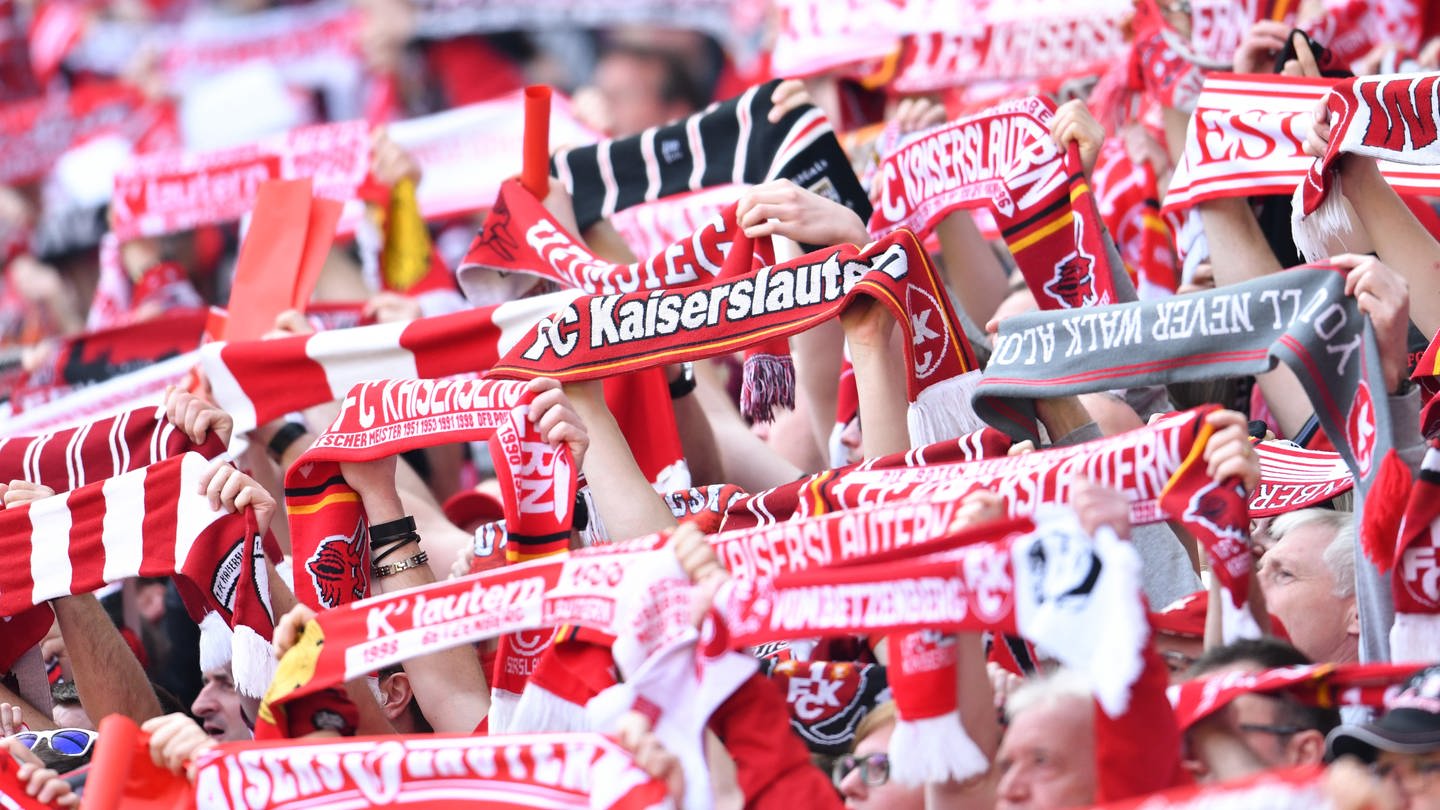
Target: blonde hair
[{"x": 882, "y": 715}]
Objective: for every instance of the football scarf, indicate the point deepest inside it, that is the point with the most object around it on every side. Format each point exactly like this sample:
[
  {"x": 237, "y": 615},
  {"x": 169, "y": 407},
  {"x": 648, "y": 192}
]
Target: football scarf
[
  {"x": 97, "y": 356},
  {"x": 1246, "y": 140},
  {"x": 1300, "y": 317},
  {"x": 733, "y": 142},
  {"x": 383, "y": 418},
  {"x": 1050, "y": 583},
  {"x": 1006, "y": 159},
  {"x": 71, "y": 458},
  {"x": 1292, "y": 477},
  {"x": 514, "y": 772},
  {"x": 168, "y": 192},
  {"x": 1386, "y": 118},
  {"x": 1127, "y": 196},
  {"x": 520, "y": 236},
  {"x": 1323, "y": 685},
  {"x": 13, "y": 790},
  {"x": 597, "y": 336},
  {"x": 649, "y": 228},
  {"x": 260, "y": 380},
  {"x": 1414, "y": 565},
  {"x": 1159, "y": 468},
  {"x": 151, "y": 522}
]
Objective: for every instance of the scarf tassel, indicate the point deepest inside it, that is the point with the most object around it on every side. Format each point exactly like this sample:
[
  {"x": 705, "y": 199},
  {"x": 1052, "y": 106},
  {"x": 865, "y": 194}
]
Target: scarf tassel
[
  {"x": 540, "y": 710},
  {"x": 943, "y": 411},
  {"x": 1314, "y": 232},
  {"x": 769, "y": 383},
  {"x": 250, "y": 656},
  {"x": 503, "y": 704},
  {"x": 1415, "y": 637},
  {"x": 933, "y": 750}
]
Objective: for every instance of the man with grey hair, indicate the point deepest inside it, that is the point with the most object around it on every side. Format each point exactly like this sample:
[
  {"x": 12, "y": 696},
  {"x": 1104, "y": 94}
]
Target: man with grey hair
[
  {"x": 1308, "y": 579},
  {"x": 1047, "y": 757}
]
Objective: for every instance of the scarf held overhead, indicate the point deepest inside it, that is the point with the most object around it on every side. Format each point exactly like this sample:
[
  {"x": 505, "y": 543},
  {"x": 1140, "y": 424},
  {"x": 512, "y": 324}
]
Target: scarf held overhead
[
  {"x": 150, "y": 522},
  {"x": 733, "y": 142},
  {"x": 1301, "y": 317},
  {"x": 598, "y": 336},
  {"x": 1004, "y": 158}
]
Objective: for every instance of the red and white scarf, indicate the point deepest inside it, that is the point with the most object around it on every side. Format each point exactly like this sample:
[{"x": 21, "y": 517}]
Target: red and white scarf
[
  {"x": 514, "y": 772},
  {"x": 1293, "y": 478},
  {"x": 152, "y": 522},
  {"x": 1004, "y": 158},
  {"x": 1155, "y": 466},
  {"x": 71, "y": 458},
  {"x": 383, "y": 418},
  {"x": 260, "y": 380},
  {"x": 1127, "y": 195},
  {"x": 598, "y": 336},
  {"x": 520, "y": 236},
  {"x": 1324, "y": 685},
  {"x": 1386, "y": 118},
  {"x": 1050, "y": 583},
  {"x": 172, "y": 191}
]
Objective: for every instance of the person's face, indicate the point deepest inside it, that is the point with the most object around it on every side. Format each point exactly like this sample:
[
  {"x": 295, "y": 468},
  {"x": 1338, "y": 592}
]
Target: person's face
[
  {"x": 1047, "y": 758},
  {"x": 218, "y": 707},
  {"x": 889, "y": 796},
  {"x": 1299, "y": 590},
  {"x": 1178, "y": 652},
  {"x": 631, "y": 89},
  {"x": 1413, "y": 778}
]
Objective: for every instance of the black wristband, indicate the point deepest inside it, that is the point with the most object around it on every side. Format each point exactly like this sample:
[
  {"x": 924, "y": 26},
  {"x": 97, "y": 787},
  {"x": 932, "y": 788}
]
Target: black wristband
[
  {"x": 382, "y": 533},
  {"x": 284, "y": 437},
  {"x": 685, "y": 384}
]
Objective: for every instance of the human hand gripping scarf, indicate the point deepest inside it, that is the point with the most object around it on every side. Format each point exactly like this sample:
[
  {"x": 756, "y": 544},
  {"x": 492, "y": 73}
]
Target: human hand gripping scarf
[
  {"x": 152, "y": 522},
  {"x": 1391, "y": 118}
]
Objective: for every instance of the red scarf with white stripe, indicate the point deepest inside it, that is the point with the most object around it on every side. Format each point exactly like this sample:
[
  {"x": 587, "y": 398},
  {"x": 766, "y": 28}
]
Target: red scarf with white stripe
[
  {"x": 1004, "y": 158},
  {"x": 151, "y": 522},
  {"x": 71, "y": 458},
  {"x": 34, "y": 133},
  {"x": 597, "y": 336},
  {"x": 1300, "y": 788},
  {"x": 520, "y": 236},
  {"x": 1386, "y": 118},
  {"x": 1127, "y": 194},
  {"x": 1155, "y": 466},
  {"x": 432, "y": 772}
]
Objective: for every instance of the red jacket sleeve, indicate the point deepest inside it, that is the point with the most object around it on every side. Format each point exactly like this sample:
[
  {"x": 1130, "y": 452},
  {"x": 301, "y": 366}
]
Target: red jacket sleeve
[{"x": 772, "y": 766}]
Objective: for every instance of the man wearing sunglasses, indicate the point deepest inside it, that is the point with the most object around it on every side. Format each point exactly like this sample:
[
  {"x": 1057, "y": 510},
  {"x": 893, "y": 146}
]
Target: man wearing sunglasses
[{"x": 863, "y": 776}]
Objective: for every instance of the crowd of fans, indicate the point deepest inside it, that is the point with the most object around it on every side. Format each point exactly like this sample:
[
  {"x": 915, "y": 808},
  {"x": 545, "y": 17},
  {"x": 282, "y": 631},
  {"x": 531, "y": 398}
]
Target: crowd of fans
[{"x": 1317, "y": 596}]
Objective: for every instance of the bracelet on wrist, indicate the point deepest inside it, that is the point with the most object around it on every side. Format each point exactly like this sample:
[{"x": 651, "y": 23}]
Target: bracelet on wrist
[
  {"x": 286, "y": 436},
  {"x": 382, "y": 533},
  {"x": 404, "y": 565},
  {"x": 389, "y": 550}
]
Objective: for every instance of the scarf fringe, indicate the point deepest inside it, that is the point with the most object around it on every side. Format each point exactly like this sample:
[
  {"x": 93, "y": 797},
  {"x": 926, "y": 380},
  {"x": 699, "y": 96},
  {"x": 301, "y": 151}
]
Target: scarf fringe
[
  {"x": 1116, "y": 660},
  {"x": 503, "y": 703},
  {"x": 604, "y": 711},
  {"x": 253, "y": 661},
  {"x": 943, "y": 411},
  {"x": 542, "y": 711},
  {"x": 1313, "y": 234},
  {"x": 769, "y": 383},
  {"x": 934, "y": 750},
  {"x": 1415, "y": 637},
  {"x": 216, "y": 642}
]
